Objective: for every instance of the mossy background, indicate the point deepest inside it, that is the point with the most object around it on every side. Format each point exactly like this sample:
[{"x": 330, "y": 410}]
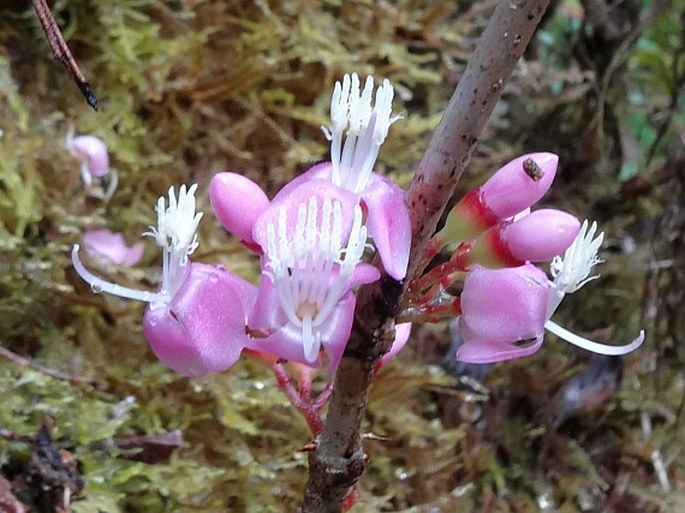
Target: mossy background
[{"x": 188, "y": 88}]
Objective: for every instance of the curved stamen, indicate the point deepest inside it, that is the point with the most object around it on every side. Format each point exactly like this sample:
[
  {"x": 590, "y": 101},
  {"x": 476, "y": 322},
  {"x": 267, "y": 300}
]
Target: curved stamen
[
  {"x": 98, "y": 285},
  {"x": 595, "y": 347}
]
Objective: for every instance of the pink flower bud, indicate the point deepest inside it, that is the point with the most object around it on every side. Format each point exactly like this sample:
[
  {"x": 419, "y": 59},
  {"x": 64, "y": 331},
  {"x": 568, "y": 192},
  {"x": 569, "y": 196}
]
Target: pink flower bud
[
  {"x": 541, "y": 235},
  {"x": 92, "y": 152},
  {"x": 512, "y": 189},
  {"x": 519, "y": 183},
  {"x": 536, "y": 237},
  {"x": 237, "y": 202}
]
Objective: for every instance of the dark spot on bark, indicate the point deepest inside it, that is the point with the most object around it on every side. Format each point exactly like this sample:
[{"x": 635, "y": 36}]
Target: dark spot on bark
[
  {"x": 517, "y": 39},
  {"x": 439, "y": 187}
]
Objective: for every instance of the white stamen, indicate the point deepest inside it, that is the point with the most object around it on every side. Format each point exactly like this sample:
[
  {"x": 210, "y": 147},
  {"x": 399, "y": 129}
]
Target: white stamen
[
  {"x": 572, "y": 271},
  {"x": 367, "y": 127},
  {"x": 595, "y": 347},
  {"x": 175, "y": 233},
  {"x": 569, "y": 274},
  {"x": 310, "y": 269},
  {"x": 99, "y": 285}
]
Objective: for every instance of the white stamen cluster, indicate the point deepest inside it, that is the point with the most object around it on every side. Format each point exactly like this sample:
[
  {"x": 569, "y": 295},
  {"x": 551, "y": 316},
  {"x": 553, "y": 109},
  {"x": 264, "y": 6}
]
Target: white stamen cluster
[
  {"x": 175, "y": 233},
  {"x": 367, "y": 127},
  {"x": 569, "y": 274},
  {"x": 310, "y": 268},
  {"x": 177, "y": 223},
  {"x": 572, "y": 271}
]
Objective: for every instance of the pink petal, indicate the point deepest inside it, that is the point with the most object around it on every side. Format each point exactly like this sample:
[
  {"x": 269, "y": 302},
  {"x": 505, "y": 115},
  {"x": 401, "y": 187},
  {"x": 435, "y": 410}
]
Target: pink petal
[
  {"x": 203, "y": 328},
  {"x": 92, "y": 150},
  {"x": 541, "y": 235},
  {"x": 286, "y": 340},
  {"x": 105, "y": 245},
  {"x": 488, "y": 351},
  {"x": 363, "y": 274},
  {"x": 336, "y": 331},
  {"x": 266, "y": 314},
  {"x": 314, "y": 188},
  {"x": 511, "y": 189},
  {"x": 237, "y": 202},
  {"x": 505, "y": 305},
  {"x": 388, "y": 224},
  {"x": 321, "y": 171},
  {"x": 402, "y": 332}
]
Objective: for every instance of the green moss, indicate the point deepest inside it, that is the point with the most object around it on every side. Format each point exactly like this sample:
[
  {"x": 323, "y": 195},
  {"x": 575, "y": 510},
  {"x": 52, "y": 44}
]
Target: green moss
[{"x": 188, "y": 88}]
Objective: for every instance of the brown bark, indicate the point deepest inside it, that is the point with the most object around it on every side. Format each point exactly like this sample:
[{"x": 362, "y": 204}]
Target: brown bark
[{"x": 339, "y": 459}]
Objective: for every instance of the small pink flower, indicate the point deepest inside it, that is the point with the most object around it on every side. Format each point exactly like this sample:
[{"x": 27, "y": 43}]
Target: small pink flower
[
  {"x": 92, "y": 152},
  {"x": 505, "y": 305},
  {"x": 202, "y": 328},
  {"x": 196, "y": 321},
  {"x": 107, "y": 246},
  {"x": 312, "y": 242},
  {"x": 505, "y": 311}
]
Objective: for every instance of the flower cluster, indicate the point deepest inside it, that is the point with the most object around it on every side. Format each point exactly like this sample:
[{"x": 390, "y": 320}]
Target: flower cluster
[
  {"x": 312, "y": 239},
  {"x": 315, "y": 238},
  {"x": 506, "y": 303}
]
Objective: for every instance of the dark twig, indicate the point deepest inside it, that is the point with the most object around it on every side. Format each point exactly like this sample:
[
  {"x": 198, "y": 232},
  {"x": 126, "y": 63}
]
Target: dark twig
[
  {"x": 339, "y": 460},
  {"x": 25, "y": 362},
  {"x": 61, "y": 51}
]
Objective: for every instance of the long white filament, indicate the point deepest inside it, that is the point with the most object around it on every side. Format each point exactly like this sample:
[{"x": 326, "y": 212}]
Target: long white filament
[
  {"x": 98, "y": 285},
  {"x": 595, "y": 347}
]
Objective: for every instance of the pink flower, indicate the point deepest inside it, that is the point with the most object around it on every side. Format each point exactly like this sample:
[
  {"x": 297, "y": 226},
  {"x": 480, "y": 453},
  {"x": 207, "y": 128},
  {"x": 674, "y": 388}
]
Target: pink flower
[
  {"x": 312, "y": 242},
  {"x": 502, "y": 308},
  {"x": 196, "y": 321},
  {"x": 202, "y": 328},
  {"x": 351, "y": 167},
  {"x": 107, "y": 246},
  {"x": 92, "y": 153},
  {"x": 505, "y": 311}
]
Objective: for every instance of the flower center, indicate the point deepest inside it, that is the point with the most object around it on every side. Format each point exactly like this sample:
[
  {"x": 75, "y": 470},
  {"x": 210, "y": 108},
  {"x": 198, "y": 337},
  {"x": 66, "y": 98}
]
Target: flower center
[{"x": 310, "y": 268}]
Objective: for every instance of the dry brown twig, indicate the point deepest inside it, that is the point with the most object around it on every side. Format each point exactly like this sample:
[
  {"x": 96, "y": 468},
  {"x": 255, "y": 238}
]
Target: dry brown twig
[{"x": 61, "y": 51}]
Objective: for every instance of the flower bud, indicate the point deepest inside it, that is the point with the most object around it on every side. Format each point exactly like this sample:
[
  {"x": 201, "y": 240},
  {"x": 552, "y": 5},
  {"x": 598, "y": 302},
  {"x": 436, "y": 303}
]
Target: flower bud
[
  {"x": 92, "y": 152},
  {"x": 536, "y": 237},
  {"x": 513, "y": 188},
  {"x": 237, "y": 202}
]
